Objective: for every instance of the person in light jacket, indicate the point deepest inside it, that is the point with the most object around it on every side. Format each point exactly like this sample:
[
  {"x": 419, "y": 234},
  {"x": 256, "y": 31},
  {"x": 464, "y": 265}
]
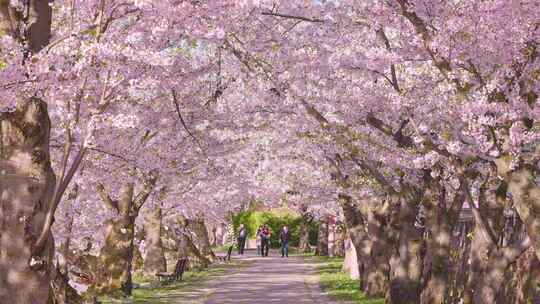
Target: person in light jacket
[{"x": 259, "y": 241}]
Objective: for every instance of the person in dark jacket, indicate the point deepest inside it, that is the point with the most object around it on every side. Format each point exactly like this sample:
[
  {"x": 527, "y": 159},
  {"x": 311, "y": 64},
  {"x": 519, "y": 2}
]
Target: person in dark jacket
[
  {"x": 265, "y": 240},
  {"x": 284, "y": 238},
  {"x": 242, "y": 235}
]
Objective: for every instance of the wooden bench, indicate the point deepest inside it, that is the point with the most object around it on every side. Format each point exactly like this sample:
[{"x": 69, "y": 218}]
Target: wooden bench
[
  {"x": 227, "y": 257},
  {"x": 176, "y": 275}
]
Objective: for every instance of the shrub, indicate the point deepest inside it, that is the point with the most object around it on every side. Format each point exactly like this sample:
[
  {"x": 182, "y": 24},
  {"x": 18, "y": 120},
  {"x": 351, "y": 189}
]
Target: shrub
[{"x": 252, "y": 220}]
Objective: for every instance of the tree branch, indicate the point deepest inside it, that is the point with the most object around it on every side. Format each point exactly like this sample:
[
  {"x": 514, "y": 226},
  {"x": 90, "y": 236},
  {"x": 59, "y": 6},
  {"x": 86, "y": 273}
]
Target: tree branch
[
  {"x": 112, "y": 204},
  {"x": 115, "y": 155},
  {"x": 511, "y": 253},
  {"x": 479, "y": 219},
  {"x": 377, "y": 175},
  {"x": 301, "y": 18},
  {"x": 402, "y": 140},
  {"x": 177, "y": 106},
  {"x": 49, "y": 218},
  {"x": 149, "y": 185},
  {"x": 394, "y": 81}
]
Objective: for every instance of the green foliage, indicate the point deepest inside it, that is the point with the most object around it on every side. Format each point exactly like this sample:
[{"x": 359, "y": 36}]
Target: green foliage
[
  {"x": 338, "y": 284},
  {"x": 252, "y": 220}
]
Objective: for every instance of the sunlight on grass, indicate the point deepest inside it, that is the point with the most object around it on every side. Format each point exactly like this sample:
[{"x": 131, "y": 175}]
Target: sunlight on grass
[{"x": 338, "y": 284}]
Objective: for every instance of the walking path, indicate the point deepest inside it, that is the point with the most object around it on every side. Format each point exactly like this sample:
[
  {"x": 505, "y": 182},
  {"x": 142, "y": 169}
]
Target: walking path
[
  {"x": 250, "y": 279},
  {"x": 269, "y": 280}
]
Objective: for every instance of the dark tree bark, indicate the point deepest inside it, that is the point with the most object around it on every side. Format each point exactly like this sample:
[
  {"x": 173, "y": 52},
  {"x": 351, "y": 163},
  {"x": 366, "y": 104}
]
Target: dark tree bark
[
  {"x": 214, "y": 241},
  {"x": 26, "y": 179},
  {"x": 377, "y": 269},
  {"x": 38, "y": 27},
  {"x": 307, "y": 219},
  {"x": 356, "y": 227},
  {"x": 528, "y": 278},
  {"x": 406, "y": 264},
  {"x": 201, "y": 237},
  {"x": 441, "y": 218},
  {"x": 322, "y": 239},
  {"x": 526, "y": 194},
  {"x": 186, "y": 245},
  {"x": 490, "y": 260},
  {"x": 341, "y": 238}
]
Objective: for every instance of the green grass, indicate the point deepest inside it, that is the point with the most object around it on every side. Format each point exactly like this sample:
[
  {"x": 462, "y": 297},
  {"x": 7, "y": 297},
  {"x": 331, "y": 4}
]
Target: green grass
[
  {"x": 338, "y": 284},
  {"x": 293, "y": 251},
  {"x": 223, "y": 248}
]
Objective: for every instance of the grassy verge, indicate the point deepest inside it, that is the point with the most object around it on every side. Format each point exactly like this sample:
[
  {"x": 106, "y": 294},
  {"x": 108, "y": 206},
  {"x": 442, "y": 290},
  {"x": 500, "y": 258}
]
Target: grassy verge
[
  {"x": 293, "y": 251},
  {"x": 223, "y": 248},
  {"x": 338, "y": 284}
]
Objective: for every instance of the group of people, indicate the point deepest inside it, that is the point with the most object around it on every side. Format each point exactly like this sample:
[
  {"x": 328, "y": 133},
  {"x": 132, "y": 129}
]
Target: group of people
[{"x": 263, "y": 240}]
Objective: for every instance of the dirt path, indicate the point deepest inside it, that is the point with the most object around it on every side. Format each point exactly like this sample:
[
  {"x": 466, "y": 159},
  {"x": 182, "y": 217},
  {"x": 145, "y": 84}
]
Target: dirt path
[{"x": 269, "y": 280}]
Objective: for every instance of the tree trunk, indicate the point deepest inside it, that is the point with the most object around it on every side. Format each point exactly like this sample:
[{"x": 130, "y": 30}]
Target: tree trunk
[
  {"x": 491, "y": 282},
  {"x": 489, "y": 263},
  {"x": 186, "y": 246},
  {"x": 332, "y": 237},
  {"x": 528, "y": 280},
  {"x": 303, "y": 245},
  {"x": 39, "y": 27},
  {"x": 377, "y": 269},
  {"x": 526, "y": 194},
  {"x": 182, "y": 244},
  {"x": 62, "y": 292},
  {"x": 438, "y": 247},
  {"x": 202, "y": 240},
  {"x": 340, "y": 241},
  {"x": 406, "y": 263},
  {"x": 490, "y": 276},
  {"x": 354, "y": 221},
  {"x": 322, "y": 239},
  {"x": 116, "y": 255},
  {"x": 350, "y": 263},
  {"x": 154, "y": 260},
  {"x": 214, "y": 241},
  {"x": 441, "y": 217},
  {"x": 222, "y": 234},
  {"x": 307, "y": 218},
  {"x": 26, "y": 188}
]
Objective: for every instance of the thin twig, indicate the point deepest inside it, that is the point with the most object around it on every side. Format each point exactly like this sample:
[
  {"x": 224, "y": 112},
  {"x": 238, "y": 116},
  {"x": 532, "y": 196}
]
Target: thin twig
[
  {"x": 315, "y": 20},
  {"x": 177, "y": 105}
]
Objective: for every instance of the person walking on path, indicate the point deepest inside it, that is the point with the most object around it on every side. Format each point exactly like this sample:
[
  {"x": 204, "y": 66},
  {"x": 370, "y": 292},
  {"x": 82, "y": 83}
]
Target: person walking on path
[
  {"x": 242, "y": 235},
  {"x": 284, "y": 238},
  {"x": 265, "y": 240},
  {"x": 258, "y": 240}
]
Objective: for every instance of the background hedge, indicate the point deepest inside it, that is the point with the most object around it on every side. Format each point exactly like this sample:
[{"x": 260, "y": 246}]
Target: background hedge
[{"x": 252, "y": 220}]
